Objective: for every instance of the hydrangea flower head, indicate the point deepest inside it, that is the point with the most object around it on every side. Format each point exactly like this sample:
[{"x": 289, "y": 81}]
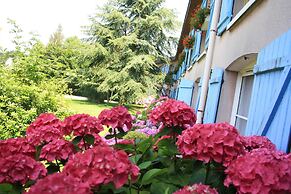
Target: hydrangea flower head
[
  {"x": 260, "y": 171},
  {"x": 20, "y": 168},
  {"x": 117, "y": 118},
  {"x": 102, "y": 165},
  {"x": 18, "y": 145},
  {"x": 219, "y": 142},
  {"x": 44, "y": 129},
  {"x": 173, "y": 113},
  {"x": 81, "y": 124},
  {"x": 132, "y": 135},
  {"x": 196, "y": 189},
  {"x": 59, "y": 183},
  {"x": 58, "y": 149},
  {"x": 255, "y": 142}
]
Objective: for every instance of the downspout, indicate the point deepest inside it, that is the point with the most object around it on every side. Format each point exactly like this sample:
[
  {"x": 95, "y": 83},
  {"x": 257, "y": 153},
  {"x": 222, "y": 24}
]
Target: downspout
[{"x": 208, "y": 61}]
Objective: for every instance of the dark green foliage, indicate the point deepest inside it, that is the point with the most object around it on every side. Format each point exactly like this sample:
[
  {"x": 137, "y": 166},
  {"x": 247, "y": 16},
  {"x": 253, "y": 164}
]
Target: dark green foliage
[
  {"x": 21, "y": 103},
  {"x": 32, "y": 84},
  {"x": 136, "y": 34}
]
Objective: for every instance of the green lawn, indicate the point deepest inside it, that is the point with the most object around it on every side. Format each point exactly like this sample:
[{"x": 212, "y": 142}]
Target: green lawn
[{"x": 91, "y": 108}]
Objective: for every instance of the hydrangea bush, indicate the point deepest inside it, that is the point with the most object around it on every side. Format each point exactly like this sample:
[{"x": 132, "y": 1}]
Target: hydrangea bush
[{"x": 160, "y": 150}]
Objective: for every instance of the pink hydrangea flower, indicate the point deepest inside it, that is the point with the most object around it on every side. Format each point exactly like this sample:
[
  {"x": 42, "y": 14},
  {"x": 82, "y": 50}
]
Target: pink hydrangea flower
[
  {"x": 219, "y": 142},
  {"x": 173, "y": 113},
  {"x": 59, "y": 183},
  {"x": 16, "y": 146},
  {"x": 58, "y": 149},
  {"x": 254, "y": 142},
  {"x": 260, "y": 171},
  {"x": 81, "y": 124},
  {"x": 117, "y": 118},
  {"x": 196, "y": 189},
  {"x": 102, "y": 165},
  {"x": 20, "y": 168},
  {"x": 44, "y": 129}
]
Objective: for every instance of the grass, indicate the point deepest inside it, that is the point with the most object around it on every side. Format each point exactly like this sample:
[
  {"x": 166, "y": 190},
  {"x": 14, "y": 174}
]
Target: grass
[{"x": 93, "y": 109}]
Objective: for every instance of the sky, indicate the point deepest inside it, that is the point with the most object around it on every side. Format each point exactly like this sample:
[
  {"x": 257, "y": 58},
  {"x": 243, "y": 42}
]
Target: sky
[{"x": 44, "y": 16}]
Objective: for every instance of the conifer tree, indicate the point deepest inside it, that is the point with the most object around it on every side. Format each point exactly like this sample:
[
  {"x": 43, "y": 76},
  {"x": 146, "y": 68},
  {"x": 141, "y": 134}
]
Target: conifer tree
[{"x": 138, "y": 34}]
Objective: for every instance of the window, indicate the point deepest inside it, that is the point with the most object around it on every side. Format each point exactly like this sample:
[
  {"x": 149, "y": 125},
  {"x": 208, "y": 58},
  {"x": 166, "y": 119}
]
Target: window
[
  {"x": 241, "y": 116},
  {"x": 242, "y": 99},
  {"x": 238, "y": 5},
  {"x": 203, "y": 38}
]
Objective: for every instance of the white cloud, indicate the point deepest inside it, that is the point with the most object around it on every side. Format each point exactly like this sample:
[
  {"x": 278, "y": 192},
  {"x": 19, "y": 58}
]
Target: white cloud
[{"x": 43, "y": 16}]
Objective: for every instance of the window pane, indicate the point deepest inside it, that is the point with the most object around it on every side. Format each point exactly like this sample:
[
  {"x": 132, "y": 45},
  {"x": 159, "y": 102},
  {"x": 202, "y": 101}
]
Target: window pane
[
  {"x": 241, "y": 124},
  {"x": 245, "y": 95},
  {"x": 238, "y": 5}
]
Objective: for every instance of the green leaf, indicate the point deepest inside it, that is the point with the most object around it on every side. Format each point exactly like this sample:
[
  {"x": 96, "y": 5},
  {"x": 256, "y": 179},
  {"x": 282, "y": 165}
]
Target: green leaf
[
  {"x": 125, "y": 147},
  {"x": 90, "y": 139},
  {"x": 77, "y": 140},
  {"x": 135, "y": 158},
  {"x": 144, "y": 165},
  {"x": 109, "y": 136},
  {"x": 144, "y": 145},
  {"x": 167, "y": 147},
  {"x": 198, "y": 175},
  {"x": 158, "y": 188},
  {"x": 149, "y": 175},
  {"x": 6, "y": 188},
  {"x": 52, "y": 168},
  {"x": 37, "y": 153}
]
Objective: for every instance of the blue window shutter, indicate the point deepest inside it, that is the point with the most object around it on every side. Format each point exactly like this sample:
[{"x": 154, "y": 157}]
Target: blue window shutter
[
  {"x": 184, "y": 64},
  {"x": 213, "y": 95},
  {"x": 204, "y": 4},
  {"x": 209, "y": 24},
  {"x": 174, "y": 77},
  {"x": 270, "y": 107},
  {"x": 196, "y": 49},
  {"x": 179, "y": 72},
  {"x": 198, "y": 94},
  {"x": 186, "y": 91},
  {"x": 225, "y": 15}
]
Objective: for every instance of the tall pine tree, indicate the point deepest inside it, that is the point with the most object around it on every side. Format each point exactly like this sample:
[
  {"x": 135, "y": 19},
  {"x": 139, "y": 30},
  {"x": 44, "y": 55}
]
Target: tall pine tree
[{"x": 138, "y": 34}]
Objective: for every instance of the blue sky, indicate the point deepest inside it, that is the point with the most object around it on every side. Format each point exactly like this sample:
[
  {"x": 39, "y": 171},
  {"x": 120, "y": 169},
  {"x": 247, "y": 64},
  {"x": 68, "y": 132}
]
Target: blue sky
[{"x": 43, "y": 16}]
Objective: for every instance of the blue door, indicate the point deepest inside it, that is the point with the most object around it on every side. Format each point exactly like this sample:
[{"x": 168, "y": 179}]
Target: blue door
[
  {"x": 270, "y": 108},
  {"x": 185, "y": 91}
]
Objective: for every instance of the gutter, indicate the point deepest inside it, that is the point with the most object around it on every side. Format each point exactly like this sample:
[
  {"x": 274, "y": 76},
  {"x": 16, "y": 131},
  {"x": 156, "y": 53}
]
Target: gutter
[{"x": 208, "y": 62}]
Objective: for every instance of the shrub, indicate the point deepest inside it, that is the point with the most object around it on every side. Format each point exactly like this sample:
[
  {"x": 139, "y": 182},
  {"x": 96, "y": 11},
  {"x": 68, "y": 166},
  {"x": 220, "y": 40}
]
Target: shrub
[
  {"x": 21, "y": 103},
  {"x": 213, "y": 158}
]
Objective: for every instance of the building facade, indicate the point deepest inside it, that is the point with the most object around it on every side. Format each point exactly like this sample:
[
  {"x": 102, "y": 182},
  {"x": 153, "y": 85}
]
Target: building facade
[{"x": 249, "y": 86}]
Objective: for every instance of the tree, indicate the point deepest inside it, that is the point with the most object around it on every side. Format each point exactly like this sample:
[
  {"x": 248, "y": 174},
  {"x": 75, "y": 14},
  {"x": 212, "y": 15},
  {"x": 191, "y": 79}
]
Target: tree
[
  {"x": 57, "y": 37},
  {"x": 138, "y": 36}
]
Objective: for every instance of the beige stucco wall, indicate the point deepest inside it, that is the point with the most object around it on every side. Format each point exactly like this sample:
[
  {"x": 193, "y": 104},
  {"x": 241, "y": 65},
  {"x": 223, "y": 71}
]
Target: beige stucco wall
[{"x": 262, "y": 23}]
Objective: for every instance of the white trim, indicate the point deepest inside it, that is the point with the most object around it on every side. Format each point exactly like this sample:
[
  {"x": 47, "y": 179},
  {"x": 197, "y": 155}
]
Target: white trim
[
  {"x": 236, "y": 98},
  {"x": 201, "y": 56},
  {"x": 240, "y": 13},
  {"x": 241, "y": 117}
]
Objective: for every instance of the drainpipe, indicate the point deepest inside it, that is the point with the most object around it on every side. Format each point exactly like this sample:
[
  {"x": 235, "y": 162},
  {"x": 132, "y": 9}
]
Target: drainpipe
[{"x": 208, "y": 62}]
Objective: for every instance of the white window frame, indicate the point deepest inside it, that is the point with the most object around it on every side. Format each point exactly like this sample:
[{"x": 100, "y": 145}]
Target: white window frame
[
  {"x": 248, "y": 71},
  {"x": 240, "y": 14}
]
